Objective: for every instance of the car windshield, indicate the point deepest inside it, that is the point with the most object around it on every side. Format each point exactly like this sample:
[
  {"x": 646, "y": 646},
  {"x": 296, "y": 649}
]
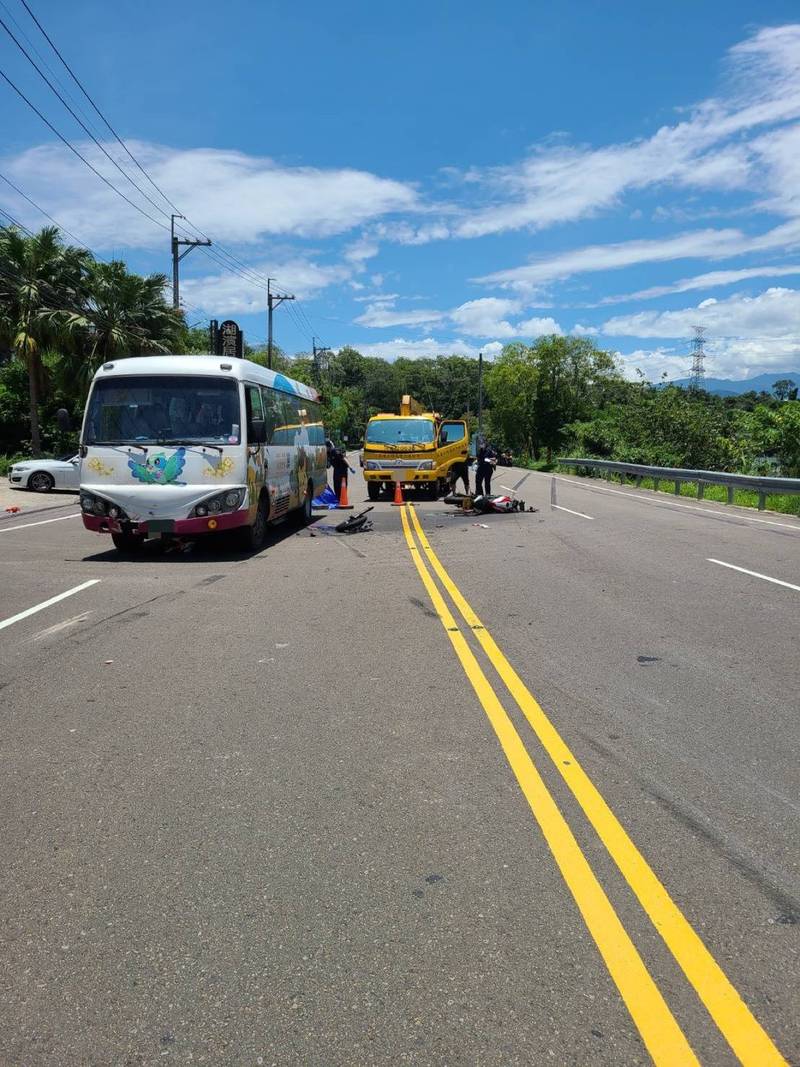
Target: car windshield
[
  {"x": 148, "y": 409},
  {"x": 400, "y": 431}
]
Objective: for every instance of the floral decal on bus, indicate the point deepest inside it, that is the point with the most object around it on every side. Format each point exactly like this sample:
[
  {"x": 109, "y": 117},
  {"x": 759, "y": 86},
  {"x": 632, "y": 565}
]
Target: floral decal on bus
[
  {"x": 158, "y": 469},
  {"x": 219, "y": 470},
  {"x": 98, "y": 467}
]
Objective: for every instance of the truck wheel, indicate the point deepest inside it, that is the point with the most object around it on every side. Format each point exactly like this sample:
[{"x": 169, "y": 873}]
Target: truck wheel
[{"x": 373, "y": 490}]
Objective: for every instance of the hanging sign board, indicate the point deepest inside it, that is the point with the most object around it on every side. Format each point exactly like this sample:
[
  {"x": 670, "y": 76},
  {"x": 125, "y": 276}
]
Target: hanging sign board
[{"x": 229, "y": 340}]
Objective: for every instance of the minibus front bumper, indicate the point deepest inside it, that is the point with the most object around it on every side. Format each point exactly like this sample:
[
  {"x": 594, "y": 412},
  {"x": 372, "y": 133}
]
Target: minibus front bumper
[{"x": 226, "y": 520}]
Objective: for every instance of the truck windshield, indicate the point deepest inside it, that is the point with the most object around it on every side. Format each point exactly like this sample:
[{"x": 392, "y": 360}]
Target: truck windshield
[
  {"x": 162, "y": 407},
  {"x": 400, "y": 431}
]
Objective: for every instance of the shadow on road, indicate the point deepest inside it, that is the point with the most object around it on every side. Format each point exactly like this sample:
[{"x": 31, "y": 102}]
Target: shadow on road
[{"x": 219, "y": 548}]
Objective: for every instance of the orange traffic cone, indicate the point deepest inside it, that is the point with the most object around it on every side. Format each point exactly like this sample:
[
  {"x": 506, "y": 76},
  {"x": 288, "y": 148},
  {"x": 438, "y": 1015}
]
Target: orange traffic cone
[
  {"x": 398, "y": 495},
  {"x": 343, "y": 504}
]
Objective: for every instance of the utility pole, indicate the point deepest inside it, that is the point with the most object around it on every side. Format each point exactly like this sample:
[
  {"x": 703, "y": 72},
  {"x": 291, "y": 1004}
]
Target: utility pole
[
  {"x": 273, "y": 300},
  {"x": 480, "y": 393},
  {"x": 320, "y": 364},
  {"x": 176, "y": 242}
]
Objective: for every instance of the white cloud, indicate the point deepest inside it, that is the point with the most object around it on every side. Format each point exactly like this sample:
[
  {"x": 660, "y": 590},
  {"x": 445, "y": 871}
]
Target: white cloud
[
  {"x": 773, "y": 314},
  {"x": 360, "y": 251},
  {"x": 560, "y": 182},
  {"x": 428, "y": 347},
  {"x": 485, "y": 317},
  {"x": 229, "y": 294},
  {"x": 234, "y": 196},
  {"x": 699, "y": 243},
  {"x": 710, "y": 280},
  {"x": 696, "y": 244},
  {"x": 585, "y": 331},
  {"x": 381, "y": 314},
  {"x": 728, "y": 359}
]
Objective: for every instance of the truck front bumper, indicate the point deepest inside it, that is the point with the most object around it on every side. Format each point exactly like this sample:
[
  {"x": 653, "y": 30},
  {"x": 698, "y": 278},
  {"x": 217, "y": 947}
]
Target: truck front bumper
[{"x": 409, "y": 477}]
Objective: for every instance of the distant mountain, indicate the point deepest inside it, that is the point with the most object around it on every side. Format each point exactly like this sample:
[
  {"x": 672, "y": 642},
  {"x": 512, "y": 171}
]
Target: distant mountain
[{"x": 730, "y": 387}]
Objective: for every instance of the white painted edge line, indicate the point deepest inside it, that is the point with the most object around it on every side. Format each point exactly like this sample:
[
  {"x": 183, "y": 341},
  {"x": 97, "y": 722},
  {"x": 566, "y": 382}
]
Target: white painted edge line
[
  {"x": 558, "y": 507},
  {"x": 42, "y": 522},
  {"x": 754, "y": 574},
  {"x": 661, "y": 502},
  {"x": 47, "y": 603}
]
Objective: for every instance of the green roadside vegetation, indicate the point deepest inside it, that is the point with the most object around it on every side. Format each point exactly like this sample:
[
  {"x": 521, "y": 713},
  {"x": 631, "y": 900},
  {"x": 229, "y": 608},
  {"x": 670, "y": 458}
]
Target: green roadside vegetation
[{"x": 63, "y": 313}]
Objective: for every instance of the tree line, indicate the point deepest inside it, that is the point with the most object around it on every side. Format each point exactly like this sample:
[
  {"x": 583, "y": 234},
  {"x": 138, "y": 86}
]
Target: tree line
[{"x": 63, "y": 313}]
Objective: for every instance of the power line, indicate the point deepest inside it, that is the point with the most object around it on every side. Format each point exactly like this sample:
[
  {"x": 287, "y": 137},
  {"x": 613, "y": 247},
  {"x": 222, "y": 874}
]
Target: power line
[
  {"x": 47, "y": 216},
  {"x": 105, "y": 121},
  {"x": 75, "y": 151},
  {"x": 227, "y": 260},
  {"x": 42, "y": 60},
  {"x": 80, "y": 121}
]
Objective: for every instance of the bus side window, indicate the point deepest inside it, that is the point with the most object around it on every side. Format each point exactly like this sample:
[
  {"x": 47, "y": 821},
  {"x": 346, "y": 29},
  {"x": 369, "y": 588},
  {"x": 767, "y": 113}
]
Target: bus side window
[
  {"x": 273, "y": 413},
  {"x": 255, "y": 409}
]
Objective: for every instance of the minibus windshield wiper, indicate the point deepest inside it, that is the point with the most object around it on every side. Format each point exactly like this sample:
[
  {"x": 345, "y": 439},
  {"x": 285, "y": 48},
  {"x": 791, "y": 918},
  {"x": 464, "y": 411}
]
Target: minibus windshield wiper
[{"x": 188, "y": 444}]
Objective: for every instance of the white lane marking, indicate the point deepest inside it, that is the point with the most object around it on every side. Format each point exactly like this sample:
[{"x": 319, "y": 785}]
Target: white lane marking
[
  {"x": 755, "y": 574},
  {"x": 47, "y": 603},
  {"x": 558, "y": 507},
  {"x": 672, "y": 504},
  {"x": 42, "y": 522}
]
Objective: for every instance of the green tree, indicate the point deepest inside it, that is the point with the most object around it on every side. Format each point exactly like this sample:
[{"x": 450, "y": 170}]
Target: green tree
[
  {"x": 41, "y": 280},
  {"x": 537, "y": 391},
  {"x": 122, "y": 314},
  {"x": 784, "y": 388}
]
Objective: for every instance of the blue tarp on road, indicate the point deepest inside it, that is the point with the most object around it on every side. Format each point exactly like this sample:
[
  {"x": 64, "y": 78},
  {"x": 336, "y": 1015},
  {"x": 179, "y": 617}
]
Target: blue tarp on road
[{"x": 326, "y": 499}]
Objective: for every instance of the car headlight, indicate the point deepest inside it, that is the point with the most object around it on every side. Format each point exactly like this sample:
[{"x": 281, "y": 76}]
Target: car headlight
[
  {"x": 230, "y": 500},
  {"x": 426, "y": 465}
]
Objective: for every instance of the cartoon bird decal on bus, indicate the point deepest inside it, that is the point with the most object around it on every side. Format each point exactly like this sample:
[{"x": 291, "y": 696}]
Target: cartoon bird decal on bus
[{"x": 158, "y": 469}]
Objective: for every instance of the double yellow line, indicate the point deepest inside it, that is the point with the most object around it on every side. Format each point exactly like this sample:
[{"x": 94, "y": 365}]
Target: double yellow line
[{"x": 656, "y": 1024}]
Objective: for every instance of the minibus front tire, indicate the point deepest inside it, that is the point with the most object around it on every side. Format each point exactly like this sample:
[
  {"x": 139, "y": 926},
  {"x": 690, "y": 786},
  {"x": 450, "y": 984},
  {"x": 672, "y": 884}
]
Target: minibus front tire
[
  {"x": 253, "y": 537},
  {"x": 127, "y": 542},
  {"x": 373, "y": 490}
]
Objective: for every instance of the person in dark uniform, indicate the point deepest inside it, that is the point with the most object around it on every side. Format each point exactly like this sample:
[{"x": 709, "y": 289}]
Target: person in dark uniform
[
  {"x": 487, "y": 457},
  {"x": 459, "y": 470},
  {"x": 340, "y": 469}
]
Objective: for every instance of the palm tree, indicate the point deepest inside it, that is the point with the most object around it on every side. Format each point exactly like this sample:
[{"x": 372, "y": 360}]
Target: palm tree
[
  {"x": 124, "y": 313},
  {"x": 40, "y": 277}
]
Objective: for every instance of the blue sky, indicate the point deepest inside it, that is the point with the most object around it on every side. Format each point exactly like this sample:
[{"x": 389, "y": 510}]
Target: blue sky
[{"x": 441, "y": 177}]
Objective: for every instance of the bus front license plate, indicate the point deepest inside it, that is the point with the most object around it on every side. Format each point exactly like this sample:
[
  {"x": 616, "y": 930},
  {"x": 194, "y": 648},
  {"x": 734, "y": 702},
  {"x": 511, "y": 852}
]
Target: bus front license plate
[{"x": 161, "y": 526}]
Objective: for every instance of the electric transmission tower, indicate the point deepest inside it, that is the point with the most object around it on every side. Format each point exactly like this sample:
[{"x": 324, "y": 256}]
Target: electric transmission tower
[{"x": 698, "y": 371}]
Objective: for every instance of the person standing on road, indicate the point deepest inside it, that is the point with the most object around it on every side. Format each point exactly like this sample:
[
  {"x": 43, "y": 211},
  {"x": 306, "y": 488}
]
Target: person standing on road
[
  {"x": 487, "y": 458},
  {"x": 340, "y": 469},
  {"x": 459, "y": 470}
]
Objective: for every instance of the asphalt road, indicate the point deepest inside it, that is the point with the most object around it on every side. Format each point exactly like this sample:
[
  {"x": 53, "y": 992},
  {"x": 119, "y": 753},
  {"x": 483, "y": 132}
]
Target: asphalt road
[{"x": 436, "y": 794}]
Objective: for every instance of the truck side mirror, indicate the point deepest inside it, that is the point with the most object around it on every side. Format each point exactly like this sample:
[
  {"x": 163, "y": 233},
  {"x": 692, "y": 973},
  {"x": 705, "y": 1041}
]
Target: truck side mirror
[{"x": 63, "y": 420}]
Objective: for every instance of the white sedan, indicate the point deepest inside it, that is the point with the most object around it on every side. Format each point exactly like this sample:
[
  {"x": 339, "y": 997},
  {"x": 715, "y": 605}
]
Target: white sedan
[{"x": 42, "y": 475}]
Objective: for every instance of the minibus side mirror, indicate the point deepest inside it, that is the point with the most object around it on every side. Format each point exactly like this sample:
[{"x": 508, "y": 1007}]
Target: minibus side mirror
[{"x": 257, "y": 432}]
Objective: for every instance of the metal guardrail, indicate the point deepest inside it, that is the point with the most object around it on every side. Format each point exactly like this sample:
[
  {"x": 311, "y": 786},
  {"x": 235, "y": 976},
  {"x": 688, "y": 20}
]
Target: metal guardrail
[{"x": 678, "y": 475}]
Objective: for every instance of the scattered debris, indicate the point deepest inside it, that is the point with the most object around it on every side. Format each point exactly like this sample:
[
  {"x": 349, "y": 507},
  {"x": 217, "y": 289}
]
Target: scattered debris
[
  {"x": 14, "y": 509},
  {"x": 482, "y": 525}
]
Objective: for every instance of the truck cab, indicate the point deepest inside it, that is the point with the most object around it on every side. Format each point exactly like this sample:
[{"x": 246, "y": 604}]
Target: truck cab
[{"x": 415, "y": 447}]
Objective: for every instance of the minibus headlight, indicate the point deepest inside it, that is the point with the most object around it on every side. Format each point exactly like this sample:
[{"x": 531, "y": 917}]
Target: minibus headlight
[
  {"x": 426, "y": 465},
  {"x": 230, "y": 500}
]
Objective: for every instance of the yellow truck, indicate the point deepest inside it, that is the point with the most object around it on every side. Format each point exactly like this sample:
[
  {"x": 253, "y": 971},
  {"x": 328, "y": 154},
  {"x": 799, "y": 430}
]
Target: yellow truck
[{"x": 416, "y": 447}]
